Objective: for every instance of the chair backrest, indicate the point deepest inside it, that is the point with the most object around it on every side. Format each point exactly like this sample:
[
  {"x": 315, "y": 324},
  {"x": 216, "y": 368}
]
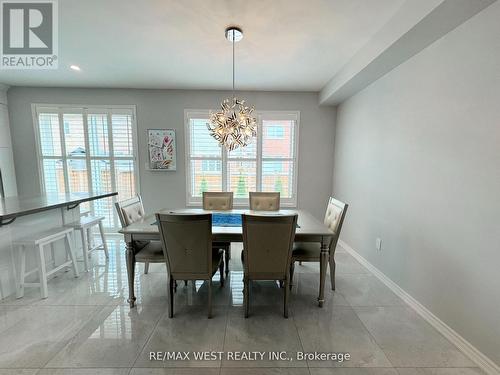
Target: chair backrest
[
  {"x": 267, "y": 245},
  {"x": 130, "y": 210},
  {"x": 187, "y": 245},
  {"x": 217, "y": 201},
  {"x": 334, "y": 218},
  {"x": 261, "y": 201}
]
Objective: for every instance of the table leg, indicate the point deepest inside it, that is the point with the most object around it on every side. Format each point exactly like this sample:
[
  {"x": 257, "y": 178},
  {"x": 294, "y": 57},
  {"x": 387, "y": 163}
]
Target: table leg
[
  {"x": 130, "y": 255},
  {"x": 323, "y": 264}
]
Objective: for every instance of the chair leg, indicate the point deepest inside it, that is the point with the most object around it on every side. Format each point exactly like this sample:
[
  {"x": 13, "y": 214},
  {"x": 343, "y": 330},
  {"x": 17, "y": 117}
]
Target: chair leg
[
  {"x": 332, "y": 270},
  {"x": 71, "y": 253},
  {"x": 210, "y": 298},
  {"x": 22, "y": 271},
  {"x": 42, "y": 272},
  {"x": 146, "y": 268},
  {"x": 227, "y": 254},
  {"x": 185, "y": 283},
  {"x": 292, "y": 269},
  {"x": 300, "y": 263},
  {"x": 285, "y": 302},
  {"x": 103, "y": 239},
  {"x": 246, "y": 296},
  {"x": 171, "y": 283},
  {"x": 221, "y": 272},
  {"x": 85, "y": 249}
]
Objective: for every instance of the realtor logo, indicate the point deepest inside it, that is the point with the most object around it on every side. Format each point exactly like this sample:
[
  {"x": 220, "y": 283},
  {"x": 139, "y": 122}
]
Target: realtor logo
[{"x": 29, "y": 34}]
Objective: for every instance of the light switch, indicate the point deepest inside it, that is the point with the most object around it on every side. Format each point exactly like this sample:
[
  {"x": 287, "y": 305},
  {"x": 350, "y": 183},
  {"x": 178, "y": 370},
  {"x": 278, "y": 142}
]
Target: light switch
[{"x": 378, "y": 244}]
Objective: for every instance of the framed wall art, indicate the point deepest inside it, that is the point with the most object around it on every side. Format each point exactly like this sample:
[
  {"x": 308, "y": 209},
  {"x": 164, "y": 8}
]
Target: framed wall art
[{"x": 162, "y": 150}]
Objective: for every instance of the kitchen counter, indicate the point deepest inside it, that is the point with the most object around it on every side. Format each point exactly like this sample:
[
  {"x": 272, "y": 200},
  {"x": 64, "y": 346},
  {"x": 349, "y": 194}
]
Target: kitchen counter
[
  {"x": 21, "y": 217},
  {"x": 13, "y": 207}
]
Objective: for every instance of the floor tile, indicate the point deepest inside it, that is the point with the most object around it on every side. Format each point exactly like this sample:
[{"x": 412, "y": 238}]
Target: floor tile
[
  {"x": 84, "y": 371},
  {"x": 366, "y": 290},
  {"x": 113, "y": 338},
  {"x": 409, "y": 341},
  {"x": 265, "y": 330},
  {"x": 189, "y": 330},
  {"x": 265, "y": 371},
  {"x": 353, "y": 371},
  {"x": 305, "y": 291},
  {"x": 86, "y": 327},
  {"x": 175, "y": 371},
  {"x": 30, "y": 336},
  {"x": 347, "y": 264},
  {"x": 440, "y": 371},
  {"x": 337, "y": 329}
]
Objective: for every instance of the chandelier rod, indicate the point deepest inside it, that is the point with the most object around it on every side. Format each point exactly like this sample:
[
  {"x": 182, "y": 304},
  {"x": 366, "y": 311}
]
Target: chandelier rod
[{"x": 233, "y": 31}]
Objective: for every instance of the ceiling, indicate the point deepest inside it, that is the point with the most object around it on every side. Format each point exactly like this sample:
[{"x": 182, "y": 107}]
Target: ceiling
[{"x": 288, "y": 45}]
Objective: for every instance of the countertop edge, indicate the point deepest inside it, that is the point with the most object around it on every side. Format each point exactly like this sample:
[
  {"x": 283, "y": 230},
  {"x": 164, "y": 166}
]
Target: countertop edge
[{"x": 56, "y": 205}]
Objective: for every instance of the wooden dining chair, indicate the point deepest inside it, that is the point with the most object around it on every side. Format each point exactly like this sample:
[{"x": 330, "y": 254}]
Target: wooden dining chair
[
  {"x": 187, "y": 248},
  {"x": 264, "y": 201},
  {"x": 310, "y": 251},
  {"x": 131, "y": 211},
  {"x": 219, "y": 201},
  {"x": 267, "y": 252}
]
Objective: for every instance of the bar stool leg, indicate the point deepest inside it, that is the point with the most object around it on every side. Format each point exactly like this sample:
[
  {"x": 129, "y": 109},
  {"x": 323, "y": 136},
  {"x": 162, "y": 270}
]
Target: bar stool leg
[
  {"x": 103, "y": 239},
  {"x": 85, "y": 249},
  {"x": 22, "y": 271},
  {"x": 72, "y": 254},
  {"x": 53, "y": 254},
  {"x": 42, "y": 272},
  {"x": 90, "y": 238}
]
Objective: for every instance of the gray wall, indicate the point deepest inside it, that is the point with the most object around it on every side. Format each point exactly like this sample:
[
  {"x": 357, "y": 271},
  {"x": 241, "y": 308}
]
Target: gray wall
[
  {"x": 165, "y": 108},
  {"x": 417, "y": 157}
]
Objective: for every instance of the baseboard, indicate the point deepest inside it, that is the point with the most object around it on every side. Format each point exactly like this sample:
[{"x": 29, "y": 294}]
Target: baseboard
[{"x": 483, "y": 362}]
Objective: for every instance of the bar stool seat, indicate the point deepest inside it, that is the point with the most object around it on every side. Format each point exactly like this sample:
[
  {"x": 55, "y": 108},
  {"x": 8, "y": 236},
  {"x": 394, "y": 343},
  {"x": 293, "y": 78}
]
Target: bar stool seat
[
  {"x": 84, "y": 226},
  {"x": 38, "y": 242}
]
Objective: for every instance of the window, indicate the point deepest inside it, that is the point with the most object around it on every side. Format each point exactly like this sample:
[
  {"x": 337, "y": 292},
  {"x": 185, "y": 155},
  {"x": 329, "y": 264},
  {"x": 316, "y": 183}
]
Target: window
[
  {"x": 267, "y": 164},
  {"x": 275, "y": 132},
  {"x": 87, "y": 150}
]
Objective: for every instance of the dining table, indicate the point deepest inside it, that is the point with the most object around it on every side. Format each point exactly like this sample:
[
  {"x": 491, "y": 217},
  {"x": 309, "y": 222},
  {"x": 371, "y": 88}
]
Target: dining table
[{"x": 309, "y": 229}]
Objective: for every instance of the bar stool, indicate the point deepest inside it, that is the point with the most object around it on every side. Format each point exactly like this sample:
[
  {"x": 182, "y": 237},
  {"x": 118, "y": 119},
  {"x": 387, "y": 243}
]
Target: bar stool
[
  {"x": 84, "y": 226},
  {"x": 38, "y": 243}
]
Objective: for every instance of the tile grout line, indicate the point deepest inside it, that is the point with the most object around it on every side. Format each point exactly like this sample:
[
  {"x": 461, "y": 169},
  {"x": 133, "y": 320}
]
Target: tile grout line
[
  {"x": 149, "y": 338},
  {"x": 297, "y": 329}
]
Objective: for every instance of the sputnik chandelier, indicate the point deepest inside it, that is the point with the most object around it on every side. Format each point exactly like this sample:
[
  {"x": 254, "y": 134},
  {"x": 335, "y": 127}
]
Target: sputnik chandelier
[{"x": 233, "y": 126}]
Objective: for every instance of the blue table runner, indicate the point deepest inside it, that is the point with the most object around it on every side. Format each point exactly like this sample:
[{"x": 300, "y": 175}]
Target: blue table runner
[{"x": 225, "y": 220}]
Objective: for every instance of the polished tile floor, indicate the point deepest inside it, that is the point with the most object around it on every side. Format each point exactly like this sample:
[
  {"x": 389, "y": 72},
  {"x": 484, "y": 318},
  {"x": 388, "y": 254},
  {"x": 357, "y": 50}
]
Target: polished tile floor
[{"x": 86, "y": 327}]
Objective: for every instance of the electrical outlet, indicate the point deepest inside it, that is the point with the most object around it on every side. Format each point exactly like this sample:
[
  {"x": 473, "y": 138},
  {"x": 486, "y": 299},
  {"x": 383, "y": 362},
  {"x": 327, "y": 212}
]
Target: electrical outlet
[{"x": 378, "y": 244}]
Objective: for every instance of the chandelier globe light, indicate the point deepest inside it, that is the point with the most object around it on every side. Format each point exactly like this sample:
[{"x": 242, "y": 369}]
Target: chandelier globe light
[{"x": 233, "y": 126}]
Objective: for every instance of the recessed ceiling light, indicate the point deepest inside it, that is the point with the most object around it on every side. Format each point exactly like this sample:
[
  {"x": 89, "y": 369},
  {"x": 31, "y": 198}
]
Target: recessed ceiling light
[{"x": 75, "y": 67}]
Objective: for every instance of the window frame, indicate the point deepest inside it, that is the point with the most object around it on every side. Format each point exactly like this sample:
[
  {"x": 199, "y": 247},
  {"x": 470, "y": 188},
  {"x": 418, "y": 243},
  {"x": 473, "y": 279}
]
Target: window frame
[
  {"x": 261, "y": 116},
  {"x": 85, "y": 110}
]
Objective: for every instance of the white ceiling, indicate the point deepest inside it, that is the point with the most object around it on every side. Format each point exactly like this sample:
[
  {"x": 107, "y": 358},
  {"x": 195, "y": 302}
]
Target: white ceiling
[{"x": 295, "y": 45}]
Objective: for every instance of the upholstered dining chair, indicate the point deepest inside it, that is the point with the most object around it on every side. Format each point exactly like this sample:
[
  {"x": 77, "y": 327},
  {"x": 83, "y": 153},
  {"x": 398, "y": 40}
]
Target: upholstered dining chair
[
  {"x": 130, "y": 211},
  {"x": 219, "y": 201},
  {"x": 310, "y": 251},
  {"x": 264, "y": 201},
  {"x": 187, "y": 247},
  {"x": 267, "y": 252}
]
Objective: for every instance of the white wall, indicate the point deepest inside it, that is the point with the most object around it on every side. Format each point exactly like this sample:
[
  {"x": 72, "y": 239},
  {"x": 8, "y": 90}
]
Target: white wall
[
  {"x": 165, "y": 108},
  {"x": 417, "y": 157}
]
